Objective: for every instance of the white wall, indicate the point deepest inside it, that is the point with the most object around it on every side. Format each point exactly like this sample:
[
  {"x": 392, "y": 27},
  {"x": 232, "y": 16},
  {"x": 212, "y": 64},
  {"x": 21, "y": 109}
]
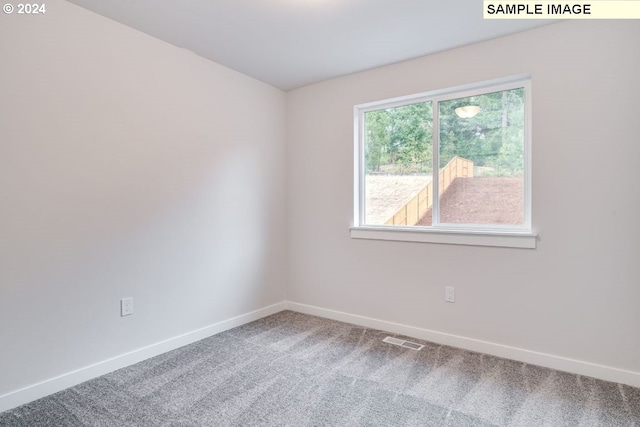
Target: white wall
[
  {"x": 128, "y": 167},
  {"x": 576, "y": 295}
]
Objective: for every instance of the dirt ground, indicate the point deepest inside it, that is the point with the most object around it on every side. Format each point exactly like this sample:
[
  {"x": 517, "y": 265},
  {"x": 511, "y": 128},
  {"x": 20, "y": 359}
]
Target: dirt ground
[
  {"x": 385, "y": 194},
  {"x": 481, "y": 201}
]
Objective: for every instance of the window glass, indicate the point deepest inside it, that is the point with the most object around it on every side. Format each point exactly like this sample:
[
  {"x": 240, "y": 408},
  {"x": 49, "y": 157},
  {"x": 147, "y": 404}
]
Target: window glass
[
  {"x": 398, "y": 159},
  {"x": 482, "y": 159},
  {"x": 473, "y": 142}
]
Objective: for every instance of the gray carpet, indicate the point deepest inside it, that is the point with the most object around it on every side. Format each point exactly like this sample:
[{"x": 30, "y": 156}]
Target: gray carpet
[{"x": 292, "y": 369}]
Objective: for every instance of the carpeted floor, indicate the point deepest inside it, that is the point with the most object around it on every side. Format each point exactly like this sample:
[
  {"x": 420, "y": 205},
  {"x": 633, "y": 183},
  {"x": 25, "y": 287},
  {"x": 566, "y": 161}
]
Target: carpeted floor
[{"x": 292, "y": 369}]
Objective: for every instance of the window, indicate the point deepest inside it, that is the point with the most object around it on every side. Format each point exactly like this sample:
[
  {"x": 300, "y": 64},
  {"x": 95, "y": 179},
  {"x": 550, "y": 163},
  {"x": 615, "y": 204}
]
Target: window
[{"x": 451, "y": 166}]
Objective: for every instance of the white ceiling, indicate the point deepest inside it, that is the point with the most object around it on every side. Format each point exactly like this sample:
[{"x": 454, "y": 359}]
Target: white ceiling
[{"x": 292, "y": 43}]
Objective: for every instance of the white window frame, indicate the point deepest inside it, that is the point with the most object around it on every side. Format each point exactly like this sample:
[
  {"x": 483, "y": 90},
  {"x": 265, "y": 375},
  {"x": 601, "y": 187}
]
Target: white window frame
[{"x": 521, "y": 236}]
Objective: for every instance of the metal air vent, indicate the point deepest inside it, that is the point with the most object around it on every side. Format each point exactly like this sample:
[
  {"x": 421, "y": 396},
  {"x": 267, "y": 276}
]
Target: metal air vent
[{"x": 403, "y": 343}]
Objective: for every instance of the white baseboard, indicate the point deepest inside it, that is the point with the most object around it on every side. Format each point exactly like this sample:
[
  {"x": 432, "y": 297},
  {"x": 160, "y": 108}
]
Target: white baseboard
[
  {"x": 527, "y": 356},
  {"x": 64, "y": 381},
  {"x": 59, "y": 383}
]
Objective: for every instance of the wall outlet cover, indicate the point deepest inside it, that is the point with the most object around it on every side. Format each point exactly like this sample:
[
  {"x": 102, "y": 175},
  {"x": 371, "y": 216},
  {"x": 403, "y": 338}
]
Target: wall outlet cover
[
  {"x": 450, "y": 294},
  {"x": 126, "y": 307}
]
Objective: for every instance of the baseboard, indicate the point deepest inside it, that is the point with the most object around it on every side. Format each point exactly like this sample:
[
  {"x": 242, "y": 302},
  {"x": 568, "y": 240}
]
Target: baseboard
[
  {"x": 64, "y": 381},
  {"x": 59, "y": 383},
  {"x": 527, "y": 356}
]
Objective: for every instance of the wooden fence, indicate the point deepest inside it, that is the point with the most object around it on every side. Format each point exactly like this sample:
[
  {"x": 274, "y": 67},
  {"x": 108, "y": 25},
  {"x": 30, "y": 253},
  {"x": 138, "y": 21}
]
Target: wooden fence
[{"x": 415, "y": 208}]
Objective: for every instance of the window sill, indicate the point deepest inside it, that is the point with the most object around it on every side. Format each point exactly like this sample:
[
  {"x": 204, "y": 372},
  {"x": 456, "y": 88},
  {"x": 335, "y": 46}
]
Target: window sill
[{"x": 504, "y": 239}]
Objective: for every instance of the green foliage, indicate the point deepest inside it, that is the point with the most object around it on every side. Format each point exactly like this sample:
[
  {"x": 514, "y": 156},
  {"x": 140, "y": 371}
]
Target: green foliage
[
  {"x": 494, "y": 138},
  {"x": 400, "y": 139}
]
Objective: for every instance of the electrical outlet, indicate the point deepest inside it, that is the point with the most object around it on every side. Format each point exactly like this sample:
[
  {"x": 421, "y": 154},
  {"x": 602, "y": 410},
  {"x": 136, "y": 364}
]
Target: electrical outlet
[
  {"x": 126, "y": 307},
  {"x": 450, "y": 294}
]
